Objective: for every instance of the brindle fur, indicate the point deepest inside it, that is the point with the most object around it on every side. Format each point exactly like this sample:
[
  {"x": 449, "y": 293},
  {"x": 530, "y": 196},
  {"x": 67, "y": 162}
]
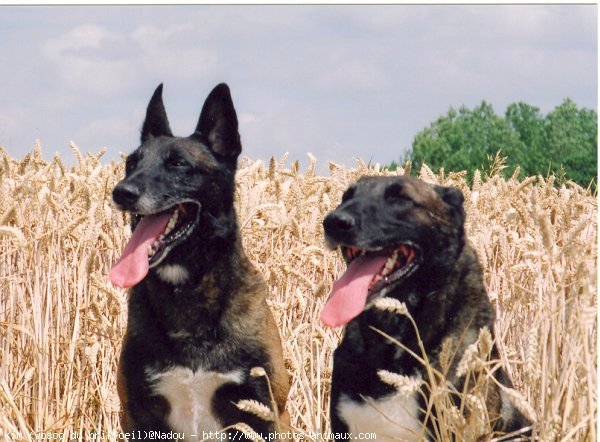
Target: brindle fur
[
  {"x": 446, "y": 295},
  {"x": 217, "y": 318}
]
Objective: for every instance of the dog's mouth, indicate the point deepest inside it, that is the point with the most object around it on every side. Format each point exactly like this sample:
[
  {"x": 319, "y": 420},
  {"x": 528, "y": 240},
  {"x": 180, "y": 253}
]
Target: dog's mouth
[
  {"x": 183, "y": 218},
  {"x": 370, "y": 274},
  {"x": 154, "y": 236},
  {"x": 400, "y": 261}
]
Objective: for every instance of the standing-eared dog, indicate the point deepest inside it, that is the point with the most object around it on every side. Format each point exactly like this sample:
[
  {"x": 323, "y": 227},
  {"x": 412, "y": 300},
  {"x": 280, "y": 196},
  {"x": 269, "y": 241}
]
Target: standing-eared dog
[
  {"x": 198, "y": 321},
  {"x": 404, "y": 239}
]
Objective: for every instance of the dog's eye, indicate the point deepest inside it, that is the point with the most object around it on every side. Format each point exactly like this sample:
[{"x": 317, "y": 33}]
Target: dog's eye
[
  {"x": 176, "y": 161},
  {"x": 130, "y": 164},
  {"x": 348, "y": 194},
  {"x": 395, "y": 192}
]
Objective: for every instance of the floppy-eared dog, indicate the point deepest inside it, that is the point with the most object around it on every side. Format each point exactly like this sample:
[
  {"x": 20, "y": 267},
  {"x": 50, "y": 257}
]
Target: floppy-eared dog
[
  {"x": 198, "y": 321},
  {"x": 404, "y": 239}
]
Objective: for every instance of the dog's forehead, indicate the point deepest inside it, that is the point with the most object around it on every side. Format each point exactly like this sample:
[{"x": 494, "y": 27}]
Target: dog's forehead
[
  {"x": 189, "y": 147},
  {"x": 377, "y": 185}
]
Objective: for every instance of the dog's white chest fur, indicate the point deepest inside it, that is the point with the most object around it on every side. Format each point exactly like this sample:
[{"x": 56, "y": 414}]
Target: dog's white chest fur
[
  {"x": 173, "y": 273},
  {"x": 393, "y": 418},
  {"x": 190, "y": 397}
]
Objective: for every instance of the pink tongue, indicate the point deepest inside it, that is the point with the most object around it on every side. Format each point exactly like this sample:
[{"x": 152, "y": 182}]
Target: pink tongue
[
  {"x": 132, "y": 267},
  {"x": 349, "y": 293}
]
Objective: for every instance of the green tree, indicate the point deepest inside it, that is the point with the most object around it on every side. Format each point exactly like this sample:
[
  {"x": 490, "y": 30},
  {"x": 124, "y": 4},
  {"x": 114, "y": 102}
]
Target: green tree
[
  {"x": 572, "y": 141},
  {"x": 464, "y": 140},
  {"x": 563, "y": 142},
  {"x": 527, "y": 122}
]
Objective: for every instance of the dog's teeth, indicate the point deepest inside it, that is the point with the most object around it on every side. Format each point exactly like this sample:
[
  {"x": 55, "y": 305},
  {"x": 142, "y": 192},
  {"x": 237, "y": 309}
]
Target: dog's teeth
[
  {"x": 172, "y": 223},
  {"x": 389, "y": 265}
]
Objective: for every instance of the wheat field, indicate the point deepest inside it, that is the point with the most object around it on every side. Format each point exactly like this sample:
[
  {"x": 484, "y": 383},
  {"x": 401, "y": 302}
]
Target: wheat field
[{"x": 61, "y": 320}]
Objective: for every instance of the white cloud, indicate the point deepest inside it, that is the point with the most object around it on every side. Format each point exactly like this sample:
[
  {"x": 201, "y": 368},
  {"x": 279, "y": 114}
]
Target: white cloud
[
  {"x": 148, "y": 36},
  {"x": 87, "y": 57},
  {"x": 118, "y": 134},
  {"x": 81, "y": 63},
  {"x": 163, "y": 52},
  {"x": 11, "y": 122},
  {"x": 7, "y": 122},
  {"x": 339, "y": 81},
  {"x": 344, "y": 70},
  {"x": 181, "y": 63},
  {"x": 80, "y": 37},
  {"x": 247, "y": 119}
]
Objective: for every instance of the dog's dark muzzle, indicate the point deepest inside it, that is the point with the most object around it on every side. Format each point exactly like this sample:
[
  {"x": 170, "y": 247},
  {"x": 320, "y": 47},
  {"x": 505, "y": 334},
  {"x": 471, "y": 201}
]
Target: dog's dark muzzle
[
  {"x": 183, "y": 215},
  {"x": 126, "y": 195},
  {"x": 367, "y": 234},
  {"x": 339, "y": 228}
]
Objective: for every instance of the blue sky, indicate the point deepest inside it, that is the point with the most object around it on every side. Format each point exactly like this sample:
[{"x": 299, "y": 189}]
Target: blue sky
[{"x": 339, "y": 81}]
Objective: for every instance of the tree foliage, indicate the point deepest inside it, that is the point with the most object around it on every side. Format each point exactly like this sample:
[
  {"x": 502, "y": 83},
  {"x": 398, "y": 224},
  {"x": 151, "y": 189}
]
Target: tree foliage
[{"x": 564, "y": 142}]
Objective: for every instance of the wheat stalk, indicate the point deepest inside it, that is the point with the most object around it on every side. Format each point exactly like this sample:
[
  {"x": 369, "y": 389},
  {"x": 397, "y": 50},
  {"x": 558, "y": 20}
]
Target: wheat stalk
[{"x": 61, "y": 321}]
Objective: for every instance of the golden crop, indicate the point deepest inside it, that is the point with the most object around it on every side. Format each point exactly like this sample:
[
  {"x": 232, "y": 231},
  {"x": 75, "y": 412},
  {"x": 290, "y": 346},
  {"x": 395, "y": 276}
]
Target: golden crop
[{"x": 61, "y": 320}]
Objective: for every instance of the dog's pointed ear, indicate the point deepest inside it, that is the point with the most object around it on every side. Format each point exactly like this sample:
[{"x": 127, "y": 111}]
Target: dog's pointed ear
[
  {"x": 451, "y": 195},
  {"x": 455, "y": 199},
  {"x": 156, "y": 122},
  {"x": 218, "y": 123}
]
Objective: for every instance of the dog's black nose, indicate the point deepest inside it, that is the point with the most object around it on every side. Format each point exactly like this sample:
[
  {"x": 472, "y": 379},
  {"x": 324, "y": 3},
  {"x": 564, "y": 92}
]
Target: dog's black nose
[
  {"x": 125, "y": 194},
  {"x": 337, "y": 224}
]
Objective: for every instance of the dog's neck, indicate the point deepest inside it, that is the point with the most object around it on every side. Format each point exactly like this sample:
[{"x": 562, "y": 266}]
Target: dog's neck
[
  {"x": 424, "y": 304},
  {"x": 194, "y": 308}
]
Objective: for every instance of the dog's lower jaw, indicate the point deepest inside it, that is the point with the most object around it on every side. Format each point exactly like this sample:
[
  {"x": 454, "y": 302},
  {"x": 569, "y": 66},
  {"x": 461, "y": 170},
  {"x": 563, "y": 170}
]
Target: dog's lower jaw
[{"x": 177, "y": 231}]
